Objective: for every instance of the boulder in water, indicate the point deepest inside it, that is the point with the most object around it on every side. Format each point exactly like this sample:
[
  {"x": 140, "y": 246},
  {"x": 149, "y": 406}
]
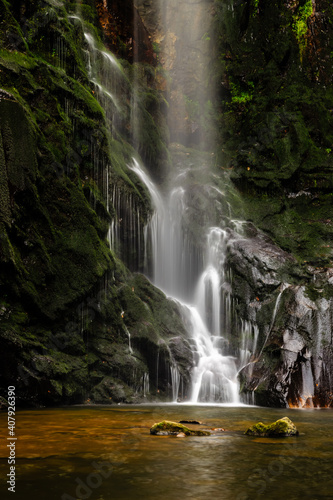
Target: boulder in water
[
  {"x": 168, "y": 428},
  {"x": 281, "y": 428},
  {"x": 196, "y": 422}
]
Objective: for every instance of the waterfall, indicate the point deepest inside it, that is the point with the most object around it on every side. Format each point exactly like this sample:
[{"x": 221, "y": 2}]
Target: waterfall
[
  {"x": 307, "y": 393},
  {"x": 214, "y": 378},
  {"x": 129, "y": 340},
  {"x": 283, "y": 287},
  {"x": 145, "y": 384},
  {"x": 175, "y": 265},
  {"x": 189, "y": 266},
  {"x": 208, "y": 290},
  {"x": 248, "y": 348},
  {"x": 125, "y": 232},
  {"x": 105, "y": 73},
  {"x": 175, "y": 382}
]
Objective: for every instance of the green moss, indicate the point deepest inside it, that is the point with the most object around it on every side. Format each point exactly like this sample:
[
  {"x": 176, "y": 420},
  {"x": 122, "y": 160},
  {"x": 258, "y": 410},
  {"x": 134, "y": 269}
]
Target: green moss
[
  {"x": 89, "y": 13},
  {"x": 241, "y": 95},
  {"x": 256, "y": 429},
  {"x": 281, "y": 428},
  {"x": 173, "y": 428},
  {"x": 15, "y": 59},
  {"x": 300, "y": 25},
  {"x": 319, "y": 289},
  {"x": 135, "y": 310},
  {"x": 57, "y": 386},
  {"x": 13, "y": 36},
  {"x": 275, "y": 135},
  {"x": 86, "y": 96},
  {"x": 55, "y": 145},
  {"x": 300, "y": 225},
  {"x": 165, "y": 312}
]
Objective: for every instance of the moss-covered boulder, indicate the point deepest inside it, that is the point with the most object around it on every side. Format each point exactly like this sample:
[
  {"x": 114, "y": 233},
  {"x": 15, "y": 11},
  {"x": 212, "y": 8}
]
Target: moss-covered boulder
[
  {"x": 168, "y": 428},
  {"x": 281, "y": 428}
]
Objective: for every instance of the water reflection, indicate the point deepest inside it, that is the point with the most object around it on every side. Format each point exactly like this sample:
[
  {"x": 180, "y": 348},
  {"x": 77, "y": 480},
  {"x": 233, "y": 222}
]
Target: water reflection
[{"x": 61, "y": 452}]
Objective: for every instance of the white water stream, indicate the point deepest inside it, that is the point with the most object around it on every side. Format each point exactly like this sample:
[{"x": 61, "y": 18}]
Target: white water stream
[
  {"x": 214, "y": 377},
  {"x": 192, "y": 274}
]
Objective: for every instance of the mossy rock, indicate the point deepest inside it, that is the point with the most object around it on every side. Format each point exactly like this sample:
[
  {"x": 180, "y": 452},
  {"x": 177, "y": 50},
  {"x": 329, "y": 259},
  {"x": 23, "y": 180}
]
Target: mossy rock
[
  {"x": 111, "y": 390},
  {"x": 281, "y": 428},
  {"x": 168, "y": 428}
]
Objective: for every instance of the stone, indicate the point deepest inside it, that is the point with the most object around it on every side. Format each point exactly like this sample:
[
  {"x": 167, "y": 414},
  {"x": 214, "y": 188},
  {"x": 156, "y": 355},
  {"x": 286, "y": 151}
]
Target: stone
[
  {"x": 196, "y": 422},
  {"x": 166, "y": 427},
  {"x": 283, "y": 427}
]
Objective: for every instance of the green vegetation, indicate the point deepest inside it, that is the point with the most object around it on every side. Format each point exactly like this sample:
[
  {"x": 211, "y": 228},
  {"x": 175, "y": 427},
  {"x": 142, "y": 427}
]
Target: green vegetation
[
  {"x": 281, "y": 428},
  {"x": 173, "y": 428},
  {"x": 60, "y": 321},
  {"x": 300, "y": 24},
  {"x": 68, "y": 302},
  {"x": 274, "y": 121},
  {"x": 240, "y": 96}
]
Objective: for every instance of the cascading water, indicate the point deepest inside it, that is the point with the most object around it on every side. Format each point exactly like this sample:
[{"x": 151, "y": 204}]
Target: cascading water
[
  {"x": 249, "y": 339},
  {"x": 177, "y": 264},
  {"x": 209, "y": 285},
  {"x": 112, "y": 88},
  {"x": 105, "y": 73},
  {"x": 283, "y": 287},
  {"x": 145, "y": 384},
  {"x": 175, "y": 381},
  {"x": 188, "y": 267}
]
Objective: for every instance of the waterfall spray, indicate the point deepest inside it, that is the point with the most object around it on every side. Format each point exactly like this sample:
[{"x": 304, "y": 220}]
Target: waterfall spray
[
  {"x": 189, "y": 267},
  {"x": 214, "y": 377}
]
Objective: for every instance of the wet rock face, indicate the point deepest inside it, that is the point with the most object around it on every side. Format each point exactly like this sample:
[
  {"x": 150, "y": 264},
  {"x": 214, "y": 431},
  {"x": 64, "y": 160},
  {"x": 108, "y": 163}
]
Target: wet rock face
[
  {"x": 275, "y": 116},
  {"x": 124, "y": 31},
  {"x": 293, "y": 364},
  {"x": 158, "y": 336},
  {"x": 17, "y": 158},
  {"x": 259, "y": 261},
  {"x": 63, "y": 334},
  {"x": 64, "y": 342},
  {"x": 306, "y": 351}
]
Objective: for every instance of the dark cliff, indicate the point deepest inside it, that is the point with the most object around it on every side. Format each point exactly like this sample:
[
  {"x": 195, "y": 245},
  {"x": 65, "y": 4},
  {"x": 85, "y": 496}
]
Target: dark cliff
[
  {"x": 66, "y": 299},
  {"x": 276, "y": 119},
  {"x": 275, "y": 93}
]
